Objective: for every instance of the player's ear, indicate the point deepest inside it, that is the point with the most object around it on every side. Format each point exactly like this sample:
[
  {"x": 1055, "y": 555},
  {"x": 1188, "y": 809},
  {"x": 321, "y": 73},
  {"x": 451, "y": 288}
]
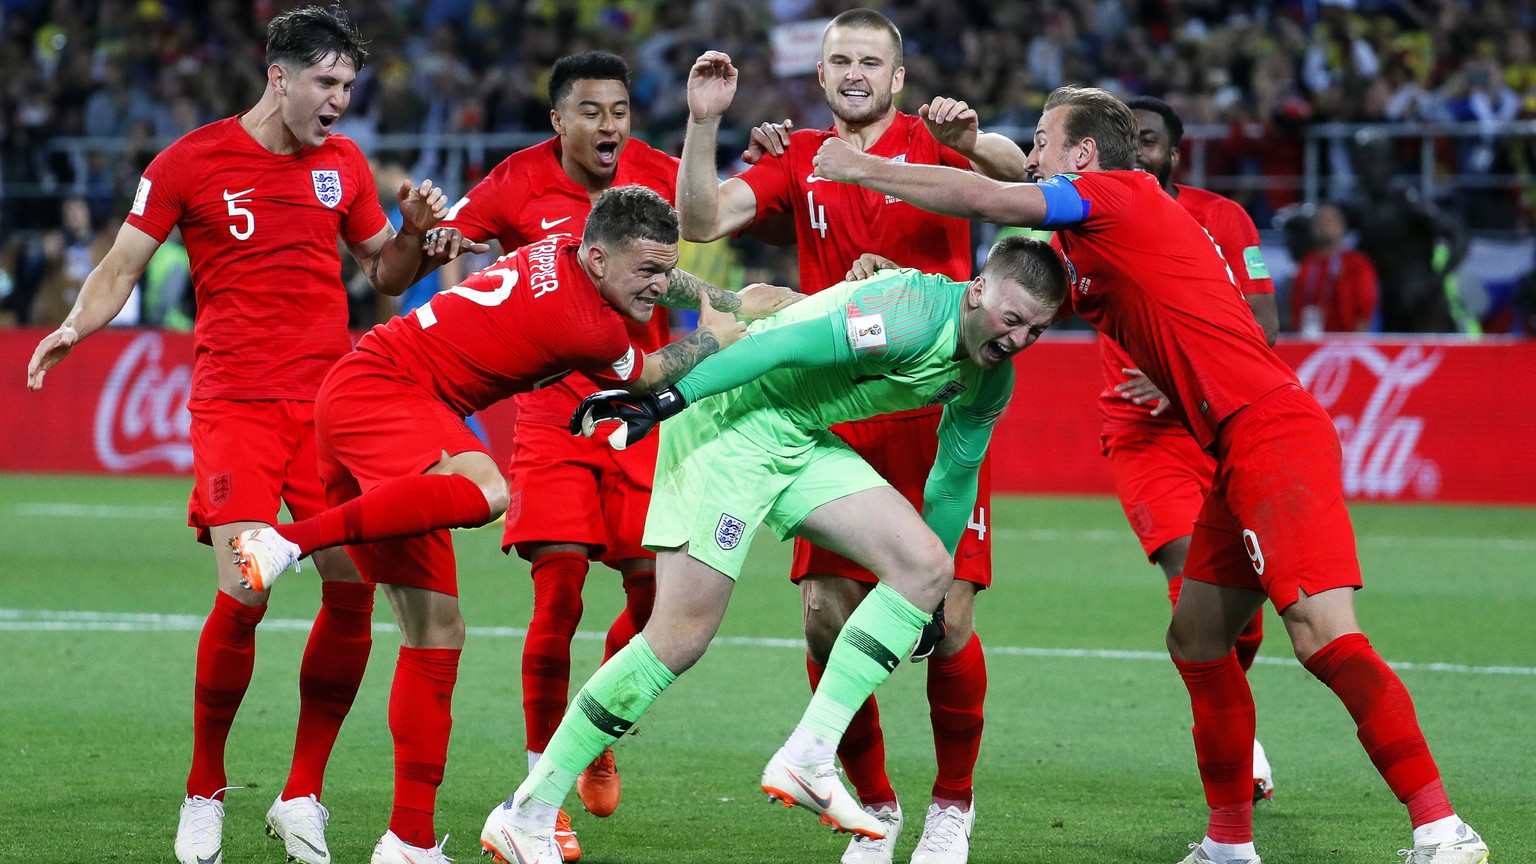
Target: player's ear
[
  {"x": 555, "y": 122},
  {"x": 277, "y": 76},
  {"x": 898, "y": 80},
  {"x": 597, "y": 261},
  {"x": 1173, "y": 159},
  {"x": 974, "y": 291}
]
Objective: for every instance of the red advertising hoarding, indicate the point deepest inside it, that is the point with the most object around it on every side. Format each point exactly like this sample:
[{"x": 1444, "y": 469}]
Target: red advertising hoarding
[{"x": 1425, "y": 419}]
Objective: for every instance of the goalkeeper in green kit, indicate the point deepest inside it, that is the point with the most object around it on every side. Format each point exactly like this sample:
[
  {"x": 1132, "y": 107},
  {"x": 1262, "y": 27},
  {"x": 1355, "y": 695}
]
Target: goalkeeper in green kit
[{"x": 749, "y": 445}]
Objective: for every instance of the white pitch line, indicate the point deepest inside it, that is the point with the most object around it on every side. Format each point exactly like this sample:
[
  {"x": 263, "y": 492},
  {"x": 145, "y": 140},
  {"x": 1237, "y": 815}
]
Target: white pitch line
[
  {"x": 62, "y": 510},
  {"x": 49, "y": 621}
]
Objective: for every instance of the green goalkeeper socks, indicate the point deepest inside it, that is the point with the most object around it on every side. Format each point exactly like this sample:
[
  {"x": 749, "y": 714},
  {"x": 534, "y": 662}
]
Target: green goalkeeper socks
[
  {"x": 879, "y": 635},
  {"x": 607, "y": 705}
]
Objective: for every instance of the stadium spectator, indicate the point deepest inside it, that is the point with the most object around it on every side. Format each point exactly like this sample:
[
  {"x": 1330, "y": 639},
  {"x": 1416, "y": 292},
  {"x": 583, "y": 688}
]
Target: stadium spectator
[
  {"x": 1334, "y": 289},
  {"x": 755, "y": 449},
  {"x": 261, "y": 198},
  {"x": 401, "y": 467},
  {"x": 861, "y": 71},
  {"x": 1274, "y": 525}
]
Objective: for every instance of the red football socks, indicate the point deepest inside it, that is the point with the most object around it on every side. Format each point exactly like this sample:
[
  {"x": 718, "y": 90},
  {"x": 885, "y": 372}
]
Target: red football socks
[
  {"x": 1249, "y": 640},
  {"x": 639, "y": 597},
  {"x": 557, "y": 582},
  {"x": 226, "y": 653},
  {"x": 420, "y": 720},
  {"x": 862, "y": 749},
  {"x": 1386, "y": 723},
  {"x": 957, "y": 686},
  {"x": 404, "y": 507},
  {"x": 1224, "y": 723},
  {"x": 334, "y": 661}
]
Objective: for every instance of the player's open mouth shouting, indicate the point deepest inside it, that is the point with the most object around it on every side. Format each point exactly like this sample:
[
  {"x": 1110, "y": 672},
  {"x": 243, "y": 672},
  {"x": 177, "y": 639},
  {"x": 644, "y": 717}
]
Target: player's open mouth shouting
[{"x": 608, "y": 152}]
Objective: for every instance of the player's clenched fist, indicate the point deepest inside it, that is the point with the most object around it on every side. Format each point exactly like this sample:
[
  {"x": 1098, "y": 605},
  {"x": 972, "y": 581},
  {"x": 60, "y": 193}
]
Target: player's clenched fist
[
  {"x": 635, "y": 415},
  {"x": 838, "y": 160}
]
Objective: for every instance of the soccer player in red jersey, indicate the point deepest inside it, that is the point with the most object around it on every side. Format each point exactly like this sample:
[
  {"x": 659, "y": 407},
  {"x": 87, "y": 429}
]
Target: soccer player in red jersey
[
  {"x": 860, "y": 71},
  {"x": 1274, "y": 524},
  {"x": 1161, "y": 474},
  {"x": 573, "y": 500},
  {"x": 401, "y": 467},
  {"x": 261, "y": 199}
]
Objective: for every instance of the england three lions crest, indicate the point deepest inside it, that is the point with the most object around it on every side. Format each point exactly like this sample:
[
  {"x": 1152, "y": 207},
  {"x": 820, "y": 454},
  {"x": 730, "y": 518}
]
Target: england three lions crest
[
  {"x": 327, "y": 187},
  {"x": 729, "y": 532}
]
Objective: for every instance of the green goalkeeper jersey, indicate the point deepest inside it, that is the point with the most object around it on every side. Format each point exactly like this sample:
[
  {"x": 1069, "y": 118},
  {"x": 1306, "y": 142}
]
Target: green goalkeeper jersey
[{"x": 856, "y": 350}]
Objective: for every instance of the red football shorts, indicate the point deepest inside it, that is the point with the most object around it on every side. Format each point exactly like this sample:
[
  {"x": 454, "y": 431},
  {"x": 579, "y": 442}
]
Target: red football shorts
[
  {"x": 249, "y": 458},
  {"x": 902, "y": 448},
  {"x": 372, "y": 425},
  {"x": 1275, "y": 520},
  {"x": 1161, "y": 476},
  {"x": 569, "y": 489}
]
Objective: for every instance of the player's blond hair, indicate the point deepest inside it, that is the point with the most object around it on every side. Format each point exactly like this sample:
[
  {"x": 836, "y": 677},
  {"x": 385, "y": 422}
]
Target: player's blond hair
[
  {"x": 1031, "y": 263},
  {"x": 1100, "y": 115},
  {"x": 866, "y": 19}
]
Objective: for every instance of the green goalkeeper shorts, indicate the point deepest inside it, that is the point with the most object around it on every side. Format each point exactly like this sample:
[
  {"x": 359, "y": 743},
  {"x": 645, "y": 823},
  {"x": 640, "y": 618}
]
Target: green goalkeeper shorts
[{"x": 715, "y": 485}]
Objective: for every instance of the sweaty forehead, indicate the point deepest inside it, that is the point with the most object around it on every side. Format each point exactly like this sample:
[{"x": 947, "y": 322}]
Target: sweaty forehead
[{"x": 663, "y": 255}]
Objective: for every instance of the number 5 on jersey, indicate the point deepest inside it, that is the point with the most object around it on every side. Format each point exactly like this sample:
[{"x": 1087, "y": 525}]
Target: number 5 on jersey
[{"x": 234, "y": 198}]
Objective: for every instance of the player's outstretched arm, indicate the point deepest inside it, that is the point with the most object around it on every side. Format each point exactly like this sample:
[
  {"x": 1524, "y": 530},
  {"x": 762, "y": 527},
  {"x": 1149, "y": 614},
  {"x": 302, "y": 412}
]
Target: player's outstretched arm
[
  {"x": 393, "y": 262},
  {"x": 102, "y": 296},
  {"x": 956, "y": 125},
  {"x": 950, "y": 191},
  {"x": 708, "y": 209},
  {"x": 965, "y": 432}
]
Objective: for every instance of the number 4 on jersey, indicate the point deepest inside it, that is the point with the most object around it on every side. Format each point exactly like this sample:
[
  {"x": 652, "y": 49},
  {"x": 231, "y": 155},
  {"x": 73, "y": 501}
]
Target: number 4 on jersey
[
  {"x": 978, "y": 523},
  {"x": 818, "y": 214}
]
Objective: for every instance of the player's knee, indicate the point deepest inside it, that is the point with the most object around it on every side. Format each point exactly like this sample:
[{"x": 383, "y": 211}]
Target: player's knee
[{"x": 820, "y": 634}]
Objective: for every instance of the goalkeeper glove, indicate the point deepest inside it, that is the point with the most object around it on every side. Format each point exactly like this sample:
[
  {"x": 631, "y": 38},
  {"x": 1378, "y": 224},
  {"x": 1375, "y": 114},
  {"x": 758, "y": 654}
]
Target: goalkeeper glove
[
  {"x": 934, "y": 631},
  {"x": 636, "y": 415}
]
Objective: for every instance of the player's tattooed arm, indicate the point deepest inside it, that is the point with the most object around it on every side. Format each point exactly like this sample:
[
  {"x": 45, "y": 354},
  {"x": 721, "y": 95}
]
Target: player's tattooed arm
[
  {"x": 755, "y": 301},
  {"x": 678, "y": 359}
]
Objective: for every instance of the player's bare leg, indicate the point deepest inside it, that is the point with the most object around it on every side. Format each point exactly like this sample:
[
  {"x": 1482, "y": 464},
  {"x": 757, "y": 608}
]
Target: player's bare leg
[{"x": 914, "y": 571}]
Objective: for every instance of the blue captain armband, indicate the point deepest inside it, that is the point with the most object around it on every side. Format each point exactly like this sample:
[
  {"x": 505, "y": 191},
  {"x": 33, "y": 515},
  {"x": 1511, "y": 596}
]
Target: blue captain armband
[{"x": 1064, "y": 206}]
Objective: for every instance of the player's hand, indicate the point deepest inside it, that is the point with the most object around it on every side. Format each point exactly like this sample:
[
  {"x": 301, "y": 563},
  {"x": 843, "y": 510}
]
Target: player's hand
[
  {"x": 449, "y": 243},
  {"x": 725, "y": 326},
  {"x": 635, "y": 415},
  {"x": 759, "y": 300},
  {"x": 838, "y": 160},
  {"x": 934, "y": 631},
  {"x": 1139, "y": 389},
  {"x": 771, "y": 139},
  {"x": 952, "y": 123},
  {"x": 711, "y": 85},
  {"x": 868, "y": 265},
  {"x": 421, "y": 207},
  {"x": 54, "y": 347}
]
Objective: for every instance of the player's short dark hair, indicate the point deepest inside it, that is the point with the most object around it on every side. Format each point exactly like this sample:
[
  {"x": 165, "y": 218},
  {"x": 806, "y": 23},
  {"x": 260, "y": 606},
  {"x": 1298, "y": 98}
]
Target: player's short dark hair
[
  {"x": 624, "y": 214},
  {"x": 1100, "y": 115},
  {"x": 866, "y": 19},
  {"x": 305, "y": 36},
  {"x": 1031, "y": 263},
  {"x": 1171, "y": 121},
  {"x": 586, "y": 66}
]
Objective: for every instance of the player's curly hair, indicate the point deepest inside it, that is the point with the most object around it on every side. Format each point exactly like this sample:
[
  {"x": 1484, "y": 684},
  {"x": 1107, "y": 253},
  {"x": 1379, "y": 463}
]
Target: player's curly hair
[
  {"x": 624, "y": 214},
  {"x": 1171, "y": 121},
  {"x": 1031, "y": 263},
  {"x": 1100, "y": 115},
  {"x": 586, "y": 66},
  {"x": 305, "y": 36}
]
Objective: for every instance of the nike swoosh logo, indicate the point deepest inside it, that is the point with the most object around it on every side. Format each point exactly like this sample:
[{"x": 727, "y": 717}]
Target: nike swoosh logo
[
  {"x": 516, "y": 852},
  {"x": 212, "y": 859},
  {"x": 317, "y": 850},
  {"x": 821, "y": 802},
  {"x": 547, "y": 224},
  {"x": 812, "y": 178},
  {"x": 235, "y": 197}
]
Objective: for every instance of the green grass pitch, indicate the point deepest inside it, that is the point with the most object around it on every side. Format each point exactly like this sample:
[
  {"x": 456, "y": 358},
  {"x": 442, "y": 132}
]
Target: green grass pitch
[{"x": 1087, "y": 755}]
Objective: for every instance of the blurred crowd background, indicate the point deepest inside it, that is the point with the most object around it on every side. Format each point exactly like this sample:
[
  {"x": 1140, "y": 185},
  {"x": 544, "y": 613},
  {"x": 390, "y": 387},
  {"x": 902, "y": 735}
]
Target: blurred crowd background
[{"x": 1422, "y": 110}]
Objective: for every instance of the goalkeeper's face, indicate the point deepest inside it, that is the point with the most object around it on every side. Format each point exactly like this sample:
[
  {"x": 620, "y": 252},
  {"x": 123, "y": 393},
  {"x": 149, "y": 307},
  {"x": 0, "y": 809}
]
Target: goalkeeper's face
[
  {"x": 998, "y": 319},
  {"x": 632, "y": 276}
]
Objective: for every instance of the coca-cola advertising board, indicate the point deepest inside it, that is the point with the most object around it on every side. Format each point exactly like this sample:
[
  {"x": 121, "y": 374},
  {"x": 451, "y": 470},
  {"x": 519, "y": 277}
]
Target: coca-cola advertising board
[{"x": 1424, "y": 419}]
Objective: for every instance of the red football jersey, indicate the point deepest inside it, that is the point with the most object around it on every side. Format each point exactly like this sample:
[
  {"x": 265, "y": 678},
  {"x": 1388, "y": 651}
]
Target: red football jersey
[
  {"x": 835, "y": 223},
  {"x": 260, "y": 230},
  {"x": 523, "y": 323},
  {"x": 1237, "y": 238},
  {"x": 529, "y": 197},
  {"x": 1145, "y": 273}
]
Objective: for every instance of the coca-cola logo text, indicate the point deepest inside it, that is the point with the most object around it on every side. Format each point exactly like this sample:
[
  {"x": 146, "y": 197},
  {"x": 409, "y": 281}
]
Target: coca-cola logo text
[
  {"x": 1380, "y": 444},
  {"x": 142, "y": 417}
]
